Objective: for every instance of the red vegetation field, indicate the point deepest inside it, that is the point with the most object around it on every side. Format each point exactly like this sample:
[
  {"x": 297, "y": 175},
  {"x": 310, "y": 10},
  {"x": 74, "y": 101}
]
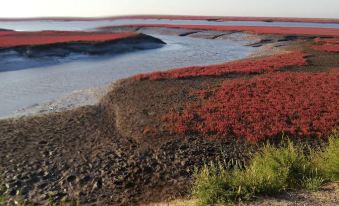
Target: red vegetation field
[
  {"x": 297, "y": 104},
  {"x": 327, "y": 40},
  {"x": 12, "y": 39},
  {"x": 331, "y": 44},
  {"x": 178, "y": 17},
  {"x": 251, "y": 29},
  {"x": 327, "y": 47},
  {"x": 250, "y": 66}
]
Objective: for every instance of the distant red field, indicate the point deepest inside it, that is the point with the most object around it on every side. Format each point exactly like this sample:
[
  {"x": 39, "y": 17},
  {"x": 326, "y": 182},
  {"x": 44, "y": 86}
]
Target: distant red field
[
  {"x": 175, "y": 17},
  {"x": 327, "y": 40},
  {"x": 231, "y": 18},
  {"x": 13, "y": 39},
  {"x": 327, "y": 47},
  {"x": 331, "y": 44},
  {"x": 251, "y": 29},
  {"x": 299, "y": 104},
  {"x": 250, "y": 66}
]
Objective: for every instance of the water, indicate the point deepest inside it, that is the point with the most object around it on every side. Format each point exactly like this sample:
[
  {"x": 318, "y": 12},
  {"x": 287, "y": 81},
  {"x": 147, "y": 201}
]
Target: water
[
  {"x": 42, "y": 82},
  {"x": 45, "y": 80},
  {"x": 23, "y": 88},
  {"x": 11, "y": 60},
  {"x": 38, "y": 25}
]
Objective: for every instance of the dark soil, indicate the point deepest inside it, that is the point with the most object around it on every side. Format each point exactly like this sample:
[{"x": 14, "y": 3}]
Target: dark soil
[
  {"x": 117, "y": 152},
  {"x": 89, "y": 154}
]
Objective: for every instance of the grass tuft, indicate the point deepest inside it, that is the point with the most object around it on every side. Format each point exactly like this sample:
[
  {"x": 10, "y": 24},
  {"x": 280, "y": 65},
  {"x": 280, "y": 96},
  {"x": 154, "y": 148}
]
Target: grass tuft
[
  {"x": 210, "y": 184},
  {"x": 312, "y": 183},
  {"x": 271, "y": 171},
  {"x": 326, "y": 162}
]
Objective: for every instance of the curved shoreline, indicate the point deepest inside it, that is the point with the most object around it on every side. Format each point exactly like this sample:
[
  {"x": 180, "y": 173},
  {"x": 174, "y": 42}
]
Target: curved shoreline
[
  {"x": 92, "y": 96},
  {"x": 179, "y": 52},
  {"x": 331, "y": 32}
]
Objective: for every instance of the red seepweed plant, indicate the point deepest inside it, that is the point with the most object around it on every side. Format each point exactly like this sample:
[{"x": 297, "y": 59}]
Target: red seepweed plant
[
  {"x": 331, "y": 44},
  {"x": 13, "y": 39},
  {"x": 248, "y": 66},
  {"x": 327, "y": 47},
  {"x": 299, "y": 104},
  {"x": 327, "y": 40}
]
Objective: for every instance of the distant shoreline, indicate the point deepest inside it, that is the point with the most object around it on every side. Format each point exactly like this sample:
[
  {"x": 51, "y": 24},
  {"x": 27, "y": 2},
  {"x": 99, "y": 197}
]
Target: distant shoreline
[{"x": 183, "y": 17}]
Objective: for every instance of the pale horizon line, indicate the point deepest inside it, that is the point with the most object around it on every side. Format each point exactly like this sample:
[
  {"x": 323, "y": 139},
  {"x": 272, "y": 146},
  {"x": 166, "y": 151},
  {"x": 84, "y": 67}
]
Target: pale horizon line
[{"x": 160, "y": 15}]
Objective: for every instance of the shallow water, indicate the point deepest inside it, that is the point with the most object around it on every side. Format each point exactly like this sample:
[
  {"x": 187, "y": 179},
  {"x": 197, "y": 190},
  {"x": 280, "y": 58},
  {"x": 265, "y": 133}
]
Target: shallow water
[
  {"x": 84, "y": 25},
  {"x": 24, "y": 88}
]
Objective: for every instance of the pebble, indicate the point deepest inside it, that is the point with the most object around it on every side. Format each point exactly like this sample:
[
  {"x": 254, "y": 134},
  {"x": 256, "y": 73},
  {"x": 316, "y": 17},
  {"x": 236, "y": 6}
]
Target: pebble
[
  {"x": 97, "y": 185},
  {"x": 71, "y": 178}
]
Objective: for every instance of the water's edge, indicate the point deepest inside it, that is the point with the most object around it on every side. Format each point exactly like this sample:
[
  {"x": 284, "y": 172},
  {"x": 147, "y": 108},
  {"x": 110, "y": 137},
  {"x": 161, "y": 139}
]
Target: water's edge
[{"x": 38, "y": 89}]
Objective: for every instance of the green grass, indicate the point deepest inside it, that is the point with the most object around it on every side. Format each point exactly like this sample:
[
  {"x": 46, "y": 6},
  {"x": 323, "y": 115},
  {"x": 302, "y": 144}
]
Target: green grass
[
  {"x": 2, "y": 200},
  {"x": 327, "y": 162},
  {"x": 271, "y": 171}
]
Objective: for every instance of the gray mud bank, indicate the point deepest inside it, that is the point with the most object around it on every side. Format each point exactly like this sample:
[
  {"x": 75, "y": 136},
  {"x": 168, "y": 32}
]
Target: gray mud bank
[{"x": 23, "y": 57}]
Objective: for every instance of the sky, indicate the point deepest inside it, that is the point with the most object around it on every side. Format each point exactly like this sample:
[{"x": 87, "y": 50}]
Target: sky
[{"x": 100, "y": 8}]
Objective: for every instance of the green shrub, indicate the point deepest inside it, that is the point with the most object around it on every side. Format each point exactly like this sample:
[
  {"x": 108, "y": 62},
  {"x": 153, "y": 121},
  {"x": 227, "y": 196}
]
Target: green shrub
[
  {"x": 271, "y": 171},
  {"x": 2, "y": 200},
  {"x": 210, "y": 184},
  {"x": 326, "y": 162}
]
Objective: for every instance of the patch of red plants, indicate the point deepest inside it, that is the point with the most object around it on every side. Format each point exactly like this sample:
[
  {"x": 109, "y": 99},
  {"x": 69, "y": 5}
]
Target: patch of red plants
[
  {"x": 327, "y": 47},
  {"x": 13, "y": 39},
  {"x": 299, "y": 104},
  {"x": 249, "y": 66},
  {"x": 331, "y": 44},
  {"x": 251, "y": 29},
  {"x": 327, "y": 40}
]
